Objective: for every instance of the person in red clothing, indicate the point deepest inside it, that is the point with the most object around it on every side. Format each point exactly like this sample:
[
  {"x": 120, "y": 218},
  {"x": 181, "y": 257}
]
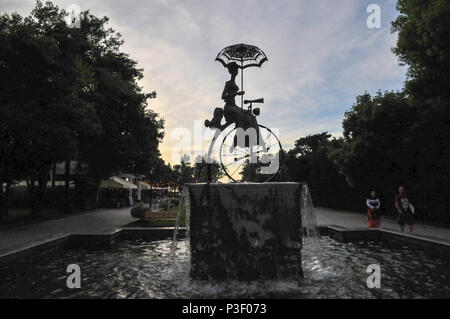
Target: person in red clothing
[
  {"x": 405, "y": 210},
  {"x": 373, "y": 210}
]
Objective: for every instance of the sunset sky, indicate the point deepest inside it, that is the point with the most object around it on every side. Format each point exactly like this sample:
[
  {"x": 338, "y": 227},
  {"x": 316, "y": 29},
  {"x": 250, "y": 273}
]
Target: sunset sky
[{"x": 321, "y": 56}]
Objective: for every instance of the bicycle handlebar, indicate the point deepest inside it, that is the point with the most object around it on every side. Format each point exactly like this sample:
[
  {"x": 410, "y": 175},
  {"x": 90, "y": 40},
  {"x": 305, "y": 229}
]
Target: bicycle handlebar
[{"x": 254, "y": 101}]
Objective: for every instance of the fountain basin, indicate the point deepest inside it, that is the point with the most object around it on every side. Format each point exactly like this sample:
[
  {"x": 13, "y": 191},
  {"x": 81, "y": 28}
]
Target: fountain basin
[
  {"x": 140, "y": 268},
  {"x": 245, "y": 231}
]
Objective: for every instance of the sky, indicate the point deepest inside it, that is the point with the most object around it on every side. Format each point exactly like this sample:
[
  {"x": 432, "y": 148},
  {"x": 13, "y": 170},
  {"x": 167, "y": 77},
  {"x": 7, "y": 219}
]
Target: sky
[{"x": 321, "y": 56}]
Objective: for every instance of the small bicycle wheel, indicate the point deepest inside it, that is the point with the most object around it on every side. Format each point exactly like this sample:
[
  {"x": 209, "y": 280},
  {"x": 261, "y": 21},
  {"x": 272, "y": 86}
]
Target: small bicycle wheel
[{"x": 251, "y": 161}]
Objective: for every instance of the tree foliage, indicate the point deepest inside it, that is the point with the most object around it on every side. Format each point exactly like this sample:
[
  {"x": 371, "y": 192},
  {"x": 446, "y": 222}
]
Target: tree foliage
[
  {"x": 70, "y": 94},
  {"x": 423, "y": 44},
  {"x": 392, "y": 138},
  {"x": 309, "y": 161}
]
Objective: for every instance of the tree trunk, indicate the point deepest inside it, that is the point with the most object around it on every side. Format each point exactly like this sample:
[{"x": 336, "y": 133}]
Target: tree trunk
[
  {"x": 53, "y": 176},
  {"x": 34, "y": 209},
  {"x": 67, "y": 206},
  {"x": 38, "y": 192},
  {"x": 4, "y": 199}
]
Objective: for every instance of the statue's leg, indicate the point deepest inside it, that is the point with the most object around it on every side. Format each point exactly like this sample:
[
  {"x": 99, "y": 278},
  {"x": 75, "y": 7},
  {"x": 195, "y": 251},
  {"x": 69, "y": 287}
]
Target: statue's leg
[{"x": 217, "y": 118}]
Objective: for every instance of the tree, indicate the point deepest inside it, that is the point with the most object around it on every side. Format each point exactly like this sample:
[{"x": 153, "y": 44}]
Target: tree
[
  {"x": 376, "y": 150},
  {"x": 38, "y": 79},
  {"x": 162, "y": 173},
  {"x": 310, "y": 161},
  {"x": 423, "y": 31},
  {"x": 70, "y": 94},
  {"x": 131, "y": 132},
  {"x": 201, "y": 170},
  {"x": 184, "y": 172}
]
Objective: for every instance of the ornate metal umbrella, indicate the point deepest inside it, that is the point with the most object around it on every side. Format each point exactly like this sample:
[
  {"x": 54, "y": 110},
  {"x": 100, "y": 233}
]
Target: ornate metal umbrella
[{"x": 245, "y": 56}]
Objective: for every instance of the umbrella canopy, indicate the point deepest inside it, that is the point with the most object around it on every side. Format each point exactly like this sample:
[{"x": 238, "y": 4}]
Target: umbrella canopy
[{"x": 244, "y": 55}]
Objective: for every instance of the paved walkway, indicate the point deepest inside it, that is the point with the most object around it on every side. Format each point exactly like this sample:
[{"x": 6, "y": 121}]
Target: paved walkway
[
  {"x": 327, "y": 216},
  {"x": 108, "y": 220},
  {"x": 97, "y": 221}
]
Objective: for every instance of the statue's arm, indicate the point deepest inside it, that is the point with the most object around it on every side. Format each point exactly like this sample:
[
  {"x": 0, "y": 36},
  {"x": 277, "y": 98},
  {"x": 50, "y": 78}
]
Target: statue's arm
[{"x": 225, "y": 92}]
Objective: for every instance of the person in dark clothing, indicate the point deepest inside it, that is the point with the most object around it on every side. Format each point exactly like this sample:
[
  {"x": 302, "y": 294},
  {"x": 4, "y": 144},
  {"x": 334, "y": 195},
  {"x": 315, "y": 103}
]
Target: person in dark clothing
[{"x": 405, "y": 210}]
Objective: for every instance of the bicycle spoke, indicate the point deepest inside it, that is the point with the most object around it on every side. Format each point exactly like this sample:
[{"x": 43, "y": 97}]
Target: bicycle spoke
[
  {"x": 234, "y": 158},
  {"x": 234, "y": 162},
  {"x": 236, "y": 170},
  {"x": 234, "y": 148},
  {"x": 268, "y": 148}
]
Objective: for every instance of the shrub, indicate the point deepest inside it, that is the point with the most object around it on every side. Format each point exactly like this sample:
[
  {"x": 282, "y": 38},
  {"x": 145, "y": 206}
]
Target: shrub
[
  {"x": 139, "y": 211},
  {"x": 164, "y": 205}
]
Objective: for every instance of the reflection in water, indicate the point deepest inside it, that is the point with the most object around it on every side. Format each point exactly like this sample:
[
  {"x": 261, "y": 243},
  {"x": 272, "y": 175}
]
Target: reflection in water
[{"x": 139, "y": 269}]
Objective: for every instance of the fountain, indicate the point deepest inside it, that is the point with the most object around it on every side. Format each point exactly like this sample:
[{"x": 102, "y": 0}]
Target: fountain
[
  {"x": 236, "y": 236},
  {"x": 245, "y": 231}
]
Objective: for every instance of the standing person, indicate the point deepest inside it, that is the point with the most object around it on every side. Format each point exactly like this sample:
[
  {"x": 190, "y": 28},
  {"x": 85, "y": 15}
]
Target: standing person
[
  {"x": 373, "y": 210},
  {"x": 405, "y": 210}
]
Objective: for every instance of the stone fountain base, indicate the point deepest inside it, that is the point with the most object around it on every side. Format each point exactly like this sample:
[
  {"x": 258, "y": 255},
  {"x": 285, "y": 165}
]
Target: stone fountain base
[{"x": 245, "y": 231}]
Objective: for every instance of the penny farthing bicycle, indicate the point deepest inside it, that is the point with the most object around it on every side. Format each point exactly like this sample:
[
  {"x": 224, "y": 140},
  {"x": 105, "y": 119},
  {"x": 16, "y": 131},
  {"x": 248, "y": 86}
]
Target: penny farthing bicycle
[
  {"x": 252, "y": 155},
  {"x": 248, "y": 151}
]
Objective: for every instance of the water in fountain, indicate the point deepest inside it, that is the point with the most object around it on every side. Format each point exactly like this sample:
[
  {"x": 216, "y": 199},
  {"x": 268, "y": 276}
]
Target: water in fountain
[
  {"x": 180, "y": 271},
  {"x": 184, "y": 210},
  {"x": 310, "y": 232},
  {"x": 309, "y": 222},
  {"x": 310, "y": 229}
]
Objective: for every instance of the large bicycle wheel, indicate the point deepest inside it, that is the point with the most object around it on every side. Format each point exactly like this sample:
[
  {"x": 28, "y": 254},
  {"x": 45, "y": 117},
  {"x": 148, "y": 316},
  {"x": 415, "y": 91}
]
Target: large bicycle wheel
[{"x": 257, "y": 160}]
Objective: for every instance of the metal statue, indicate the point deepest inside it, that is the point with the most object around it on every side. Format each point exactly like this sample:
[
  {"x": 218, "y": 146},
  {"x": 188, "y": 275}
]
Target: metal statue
[{"x": 248, "y": 144}]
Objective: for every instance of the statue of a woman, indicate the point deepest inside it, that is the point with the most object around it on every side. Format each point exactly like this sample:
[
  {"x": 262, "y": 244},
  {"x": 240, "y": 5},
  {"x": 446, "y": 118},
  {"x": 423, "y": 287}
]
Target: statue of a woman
[
  {"x": 232, "y": 113},
  {"x": 231, "y": 90}
]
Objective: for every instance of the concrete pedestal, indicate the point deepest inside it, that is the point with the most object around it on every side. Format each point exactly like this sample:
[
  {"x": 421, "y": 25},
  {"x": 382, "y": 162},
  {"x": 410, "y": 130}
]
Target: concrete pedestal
[{"x": 245, "y": 231}]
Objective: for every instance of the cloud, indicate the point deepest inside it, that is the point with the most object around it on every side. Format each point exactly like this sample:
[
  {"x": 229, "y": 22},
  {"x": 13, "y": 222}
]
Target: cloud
[{"x": 321, "y": 55}]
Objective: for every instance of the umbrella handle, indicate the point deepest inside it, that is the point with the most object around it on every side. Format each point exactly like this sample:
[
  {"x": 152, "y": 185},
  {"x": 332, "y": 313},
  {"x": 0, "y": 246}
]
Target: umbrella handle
[{"x": 242, "y": 83}]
